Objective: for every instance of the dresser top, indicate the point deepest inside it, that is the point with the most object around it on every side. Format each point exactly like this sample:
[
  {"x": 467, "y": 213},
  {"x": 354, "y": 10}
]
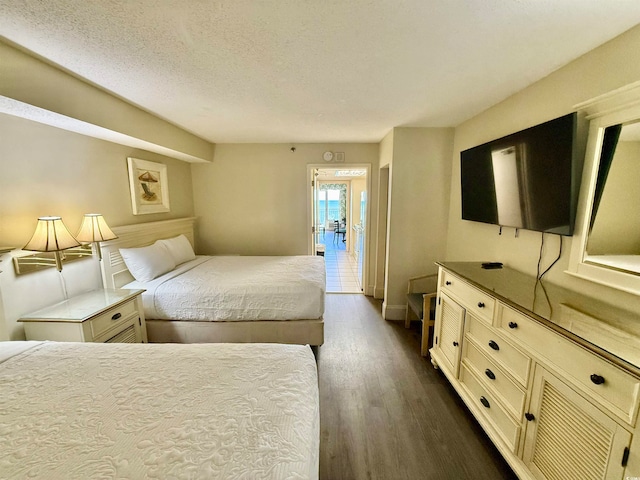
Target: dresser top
[
  {"x": 81, "y": 307},
  {"x": 607, "y": 329}
]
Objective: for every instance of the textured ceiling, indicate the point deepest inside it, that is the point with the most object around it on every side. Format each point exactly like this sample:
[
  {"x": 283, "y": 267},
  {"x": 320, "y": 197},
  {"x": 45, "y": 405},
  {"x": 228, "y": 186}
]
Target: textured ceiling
[{"x": 312, "y": 70}]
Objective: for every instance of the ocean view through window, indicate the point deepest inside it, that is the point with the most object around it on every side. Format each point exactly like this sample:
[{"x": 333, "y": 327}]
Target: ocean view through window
[{"x": 329, "y": 206}]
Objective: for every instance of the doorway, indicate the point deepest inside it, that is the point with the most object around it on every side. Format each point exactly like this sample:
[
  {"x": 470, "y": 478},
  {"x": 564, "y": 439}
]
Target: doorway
[{"x": 339, "y": 227}]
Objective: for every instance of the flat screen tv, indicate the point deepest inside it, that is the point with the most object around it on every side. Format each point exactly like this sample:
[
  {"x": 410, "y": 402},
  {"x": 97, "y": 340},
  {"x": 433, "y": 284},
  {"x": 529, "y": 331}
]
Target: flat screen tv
[{"x": 525, "y": 180}]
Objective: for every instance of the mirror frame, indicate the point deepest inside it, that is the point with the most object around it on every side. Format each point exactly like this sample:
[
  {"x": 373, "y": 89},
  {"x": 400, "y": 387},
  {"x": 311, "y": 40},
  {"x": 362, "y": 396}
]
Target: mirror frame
[{"x": 616, "y": 107}]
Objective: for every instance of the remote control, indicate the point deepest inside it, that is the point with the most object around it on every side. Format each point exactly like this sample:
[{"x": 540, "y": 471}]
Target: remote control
[{"x": 490, "y": 265}]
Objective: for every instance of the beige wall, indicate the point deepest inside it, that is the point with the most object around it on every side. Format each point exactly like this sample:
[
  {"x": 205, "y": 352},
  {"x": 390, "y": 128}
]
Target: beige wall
[
  {"x": 384, "y": 178},
  {"x": 48, "y": 171},
  {"x": 420, "y": 175},
  {"x": 35, "y": 83},
  {"x": 606, "y": 68},
  {"x": 616, "y": 230},
  {"x": 253, "y": 199}
]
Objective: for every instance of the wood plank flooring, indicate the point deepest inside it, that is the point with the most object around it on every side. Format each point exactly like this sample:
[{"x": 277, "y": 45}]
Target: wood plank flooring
[{"x": 385, "y": 412}]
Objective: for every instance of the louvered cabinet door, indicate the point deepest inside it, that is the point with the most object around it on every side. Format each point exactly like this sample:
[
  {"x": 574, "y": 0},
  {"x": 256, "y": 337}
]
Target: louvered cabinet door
[
  {"x": 567, "y": 437},
  {"x": 450, "y": 322}
]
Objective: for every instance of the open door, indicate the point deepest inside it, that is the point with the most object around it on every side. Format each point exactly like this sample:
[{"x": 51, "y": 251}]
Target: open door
[
  {"x": 361, "y": 234},
  {"x": 314, "y": 212}
]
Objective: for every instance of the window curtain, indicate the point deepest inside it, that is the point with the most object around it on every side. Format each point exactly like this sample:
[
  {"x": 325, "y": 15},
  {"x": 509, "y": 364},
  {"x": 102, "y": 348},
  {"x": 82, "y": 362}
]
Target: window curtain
[{"x": 609, "y": 144}]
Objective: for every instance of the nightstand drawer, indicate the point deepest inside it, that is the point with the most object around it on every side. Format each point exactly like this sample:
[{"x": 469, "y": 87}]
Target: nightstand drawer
[
  {"x": 499, "y": 419},
  {"x": 499, "y": 350},
  {"x": 493, "y": 377},
  {"x": 112, "y": 318},
  {"x": 473, "y": 300},
  {"x": 95, "y": 316}
]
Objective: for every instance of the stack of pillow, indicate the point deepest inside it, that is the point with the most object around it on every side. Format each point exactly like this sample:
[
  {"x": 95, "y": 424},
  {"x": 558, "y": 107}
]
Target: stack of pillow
[{"x": 147, "y": 263}]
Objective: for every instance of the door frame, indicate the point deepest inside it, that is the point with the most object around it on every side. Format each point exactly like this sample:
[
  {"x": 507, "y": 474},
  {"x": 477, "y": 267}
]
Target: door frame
[{"x": 310, "y": 210}]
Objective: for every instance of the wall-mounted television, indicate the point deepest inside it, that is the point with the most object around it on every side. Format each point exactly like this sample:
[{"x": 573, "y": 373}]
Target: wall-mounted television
[{"x": 526, "y": 180}]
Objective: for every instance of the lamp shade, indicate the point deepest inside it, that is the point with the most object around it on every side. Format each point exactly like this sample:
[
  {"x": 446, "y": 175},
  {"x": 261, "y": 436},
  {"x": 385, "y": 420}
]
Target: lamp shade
[
  {"x": 51, "y": 235},
  {"x": 94, "y": 229}
]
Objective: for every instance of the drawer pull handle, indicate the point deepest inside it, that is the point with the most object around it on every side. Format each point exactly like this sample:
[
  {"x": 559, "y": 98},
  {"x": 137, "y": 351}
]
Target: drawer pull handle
[
  {"x": 513, "y": 325},
  {"x": 480, "y": 305},
  {"x": 455, "y": 344},
  {"x": 529, "y": 416},
  {"x": 490, "y": 374},
  {"x": 485, "y": 402},
  {"x": 447, "y": 282},
  {"x": 597, "y": 379},
  {"x": 116, "y": 316},
  {"x": 494, "y": 345}
]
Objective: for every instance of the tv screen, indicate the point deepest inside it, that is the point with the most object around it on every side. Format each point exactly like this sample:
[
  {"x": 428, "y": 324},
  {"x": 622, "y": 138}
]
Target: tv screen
[{"x": 524, "y": 180}]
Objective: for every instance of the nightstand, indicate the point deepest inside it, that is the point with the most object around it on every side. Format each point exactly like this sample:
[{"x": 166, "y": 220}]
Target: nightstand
[{"x": 101, "y": 316}]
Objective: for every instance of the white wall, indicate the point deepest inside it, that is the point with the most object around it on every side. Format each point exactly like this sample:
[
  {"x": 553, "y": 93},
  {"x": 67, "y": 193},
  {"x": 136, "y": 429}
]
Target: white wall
[
  {"x": 606, "y": 68},
  {"x": 253, "y": 198}
]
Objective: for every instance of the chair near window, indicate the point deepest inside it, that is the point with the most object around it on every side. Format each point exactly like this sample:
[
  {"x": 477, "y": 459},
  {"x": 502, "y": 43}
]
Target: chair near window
[
  {"x": 421, "y": 302},
  {"x": 339, "y": 228}
]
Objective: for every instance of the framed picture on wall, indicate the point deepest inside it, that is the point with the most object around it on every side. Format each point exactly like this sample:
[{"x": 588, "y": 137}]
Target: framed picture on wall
[{"x": 149, "y": 186}]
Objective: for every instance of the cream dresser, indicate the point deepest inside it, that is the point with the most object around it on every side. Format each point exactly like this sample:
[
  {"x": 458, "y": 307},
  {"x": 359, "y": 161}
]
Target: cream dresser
[
  {"x": 102, "y": 316},
  {"x": 552, "y": 376}
]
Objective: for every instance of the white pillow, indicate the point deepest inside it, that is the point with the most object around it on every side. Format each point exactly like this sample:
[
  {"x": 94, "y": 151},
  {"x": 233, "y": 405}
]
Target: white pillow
[
  {"x": 147, "y": 263},
  {"x": 180, "y": 248}
]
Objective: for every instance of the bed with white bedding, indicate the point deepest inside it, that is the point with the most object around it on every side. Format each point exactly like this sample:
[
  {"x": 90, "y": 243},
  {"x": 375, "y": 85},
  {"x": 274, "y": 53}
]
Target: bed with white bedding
[
  {"x": 86, "y": 410},
  {"x": 236, "y": 288},
  {"x": 216, "y": 298}
]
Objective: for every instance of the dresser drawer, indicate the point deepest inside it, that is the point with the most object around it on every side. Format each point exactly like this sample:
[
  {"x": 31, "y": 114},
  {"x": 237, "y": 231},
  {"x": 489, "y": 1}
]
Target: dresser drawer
[
  {"x": 494, "y": 378},
  {"x": 472, "y": 299},
  {"x": 612, "y": 387},
  {"x": 499, "y": 350},
  {"x": 508, "y": 429},
  {"x": 112, "y": 318}
]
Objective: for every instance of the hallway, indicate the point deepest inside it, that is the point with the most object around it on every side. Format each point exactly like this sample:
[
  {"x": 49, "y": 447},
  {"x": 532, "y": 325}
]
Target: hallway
[{"x": 341, "y": 268}]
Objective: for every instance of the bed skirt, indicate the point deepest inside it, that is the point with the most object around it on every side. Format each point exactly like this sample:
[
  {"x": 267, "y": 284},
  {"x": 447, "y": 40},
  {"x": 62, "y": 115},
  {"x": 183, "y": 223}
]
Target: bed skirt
[{"x": 301, "y": 332}]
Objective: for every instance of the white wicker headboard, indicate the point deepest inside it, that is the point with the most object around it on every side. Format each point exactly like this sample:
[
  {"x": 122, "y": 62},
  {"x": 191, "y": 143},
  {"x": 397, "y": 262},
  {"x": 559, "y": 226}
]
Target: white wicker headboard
[{"x": 114, "y": 271}]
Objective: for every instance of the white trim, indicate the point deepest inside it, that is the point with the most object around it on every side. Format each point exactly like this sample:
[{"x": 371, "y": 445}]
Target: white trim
[
  {"x": 368, "y": 214},
  {"x": 611, "y": 102},
  {"x": 616, "y": 107},
  {"x": 393, "y": 312}
]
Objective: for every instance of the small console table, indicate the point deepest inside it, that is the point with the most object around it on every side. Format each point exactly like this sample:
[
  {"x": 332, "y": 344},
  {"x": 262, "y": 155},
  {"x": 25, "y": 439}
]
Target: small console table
[{"x": 552, "y": 376}]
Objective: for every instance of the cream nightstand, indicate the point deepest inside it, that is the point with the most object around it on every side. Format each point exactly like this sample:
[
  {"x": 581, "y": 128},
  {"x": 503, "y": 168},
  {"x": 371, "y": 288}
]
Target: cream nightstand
[{"x": 102, "y": 316}]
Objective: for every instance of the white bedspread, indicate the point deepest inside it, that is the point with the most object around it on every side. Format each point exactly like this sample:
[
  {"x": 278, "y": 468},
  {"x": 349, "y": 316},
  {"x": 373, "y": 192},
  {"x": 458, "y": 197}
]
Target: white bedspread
[
  {"x": 238, "y": 288},
  {"x": 165, "y": 411}
]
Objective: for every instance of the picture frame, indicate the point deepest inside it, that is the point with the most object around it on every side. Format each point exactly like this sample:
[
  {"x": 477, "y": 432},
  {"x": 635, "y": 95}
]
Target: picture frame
[{"x": 149, "y": 186}]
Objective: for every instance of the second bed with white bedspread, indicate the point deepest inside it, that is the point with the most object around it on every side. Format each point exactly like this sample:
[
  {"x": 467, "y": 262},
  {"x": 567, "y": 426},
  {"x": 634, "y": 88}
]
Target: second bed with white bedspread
[{"x": 238, "y": 288}]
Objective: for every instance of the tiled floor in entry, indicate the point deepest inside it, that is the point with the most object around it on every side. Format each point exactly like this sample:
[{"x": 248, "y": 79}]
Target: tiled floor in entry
[{"x": 342, "y": 272}]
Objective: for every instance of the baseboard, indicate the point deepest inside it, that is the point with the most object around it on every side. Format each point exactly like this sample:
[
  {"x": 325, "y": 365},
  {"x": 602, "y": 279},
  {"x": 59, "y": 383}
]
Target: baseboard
[
  {"x": 393, "y": 312},
  {"x": 378, "y": 292}
]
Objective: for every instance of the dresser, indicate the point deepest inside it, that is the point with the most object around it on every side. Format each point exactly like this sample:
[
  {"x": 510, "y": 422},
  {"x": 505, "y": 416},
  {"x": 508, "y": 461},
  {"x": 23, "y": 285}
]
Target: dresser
[
  {"x": 552, "y": 376},
  {"x": 102, "y": 316}
]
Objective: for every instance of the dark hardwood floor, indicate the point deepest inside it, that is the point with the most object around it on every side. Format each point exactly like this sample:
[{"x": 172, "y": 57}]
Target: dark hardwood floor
[{"x": 385, "y": 412}]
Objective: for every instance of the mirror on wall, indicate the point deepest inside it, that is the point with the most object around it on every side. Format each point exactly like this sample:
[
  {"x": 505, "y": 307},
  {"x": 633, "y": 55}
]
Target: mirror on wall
[
  {"x": 605, "y": 247},
  {"x": 614, "y": 228}
]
